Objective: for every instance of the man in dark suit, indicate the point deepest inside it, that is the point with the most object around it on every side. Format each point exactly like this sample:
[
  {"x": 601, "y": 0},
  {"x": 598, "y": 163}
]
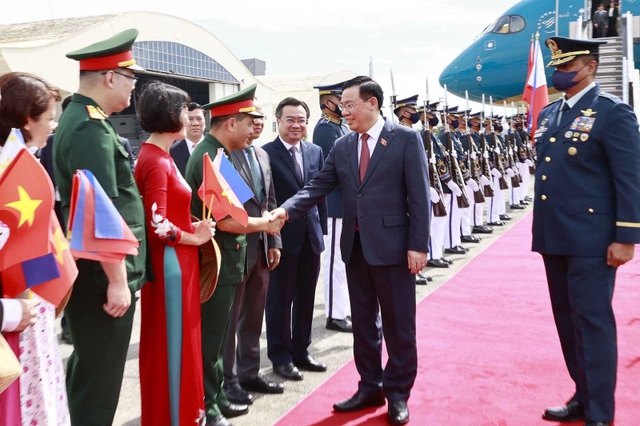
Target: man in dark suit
[
  {"x": 382, "y": 170},
  {"x": 293, "y": 164},
  {"x": 263, "y": 254},
  {"x": 586, "y": 220},
  {"x": 182, "y": 149}
]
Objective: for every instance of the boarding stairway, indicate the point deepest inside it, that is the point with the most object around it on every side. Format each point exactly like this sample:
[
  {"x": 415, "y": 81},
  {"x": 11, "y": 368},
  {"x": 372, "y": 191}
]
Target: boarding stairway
[{"x": 610, "y": 69}]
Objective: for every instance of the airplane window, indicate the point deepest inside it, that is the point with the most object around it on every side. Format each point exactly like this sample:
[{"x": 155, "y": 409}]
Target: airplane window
[
  {"x": 489, "y": 28},
  {"x": 517, "y": 24},
  {"x": 502, "y": 25}
]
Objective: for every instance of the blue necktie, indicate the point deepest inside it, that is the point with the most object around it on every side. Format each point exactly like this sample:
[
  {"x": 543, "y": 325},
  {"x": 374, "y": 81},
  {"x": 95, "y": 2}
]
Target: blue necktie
[{"x": 293, "y": 150}]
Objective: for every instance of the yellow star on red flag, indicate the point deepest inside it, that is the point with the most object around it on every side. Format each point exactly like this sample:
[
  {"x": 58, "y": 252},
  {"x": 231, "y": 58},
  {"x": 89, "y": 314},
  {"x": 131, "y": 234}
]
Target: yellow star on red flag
[{"x": 26, "y": 206}]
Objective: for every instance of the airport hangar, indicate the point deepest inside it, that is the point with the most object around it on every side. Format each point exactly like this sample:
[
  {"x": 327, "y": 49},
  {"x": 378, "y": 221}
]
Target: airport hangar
[{"x": 170, "y": 49}]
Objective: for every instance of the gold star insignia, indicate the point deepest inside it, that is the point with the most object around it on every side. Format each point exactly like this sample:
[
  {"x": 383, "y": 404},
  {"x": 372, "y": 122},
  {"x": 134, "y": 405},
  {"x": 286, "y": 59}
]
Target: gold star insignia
[
  {"x": 26, "y": 206},
  {"x": 225, "y": 194},
  {"x": 60, "y": 244}
]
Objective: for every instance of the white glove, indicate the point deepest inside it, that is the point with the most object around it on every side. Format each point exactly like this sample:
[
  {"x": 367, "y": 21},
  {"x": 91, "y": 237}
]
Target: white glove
[
  {"x": 473, "y": 184},
  {"x": 485, "y": 155},
  {"x": 510, "y": 173},
  {"x": 497, "y": 150},
  {"x": 432, "y": 160},
  {"x": 528, "y": 162},
  {"x": 484, "y": 181},
  {"x": 473, "y": 156},
  {"x": 454, "y": 188},
  {"x": 454, "y": 154},
  {"x": 496, "y": 173},
  {"x": 433, "y": 194}
]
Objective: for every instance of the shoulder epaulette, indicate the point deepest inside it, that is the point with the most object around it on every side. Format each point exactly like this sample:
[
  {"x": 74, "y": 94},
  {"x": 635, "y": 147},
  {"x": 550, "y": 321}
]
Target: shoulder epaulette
[
  {"x": 96, "y": 113},
  {"x": 330, "y": 119},
  {"x": 609, "y": 96}
]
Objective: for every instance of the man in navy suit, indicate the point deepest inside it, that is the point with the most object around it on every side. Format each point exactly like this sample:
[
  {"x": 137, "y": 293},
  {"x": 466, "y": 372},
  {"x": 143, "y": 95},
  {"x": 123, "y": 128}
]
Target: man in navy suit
[
  {"x": 293, "y": 164},
  {"x": 182, "y": 150},
  {"x": 586, "y": 220},
  {"x": 381, "y": 168}
]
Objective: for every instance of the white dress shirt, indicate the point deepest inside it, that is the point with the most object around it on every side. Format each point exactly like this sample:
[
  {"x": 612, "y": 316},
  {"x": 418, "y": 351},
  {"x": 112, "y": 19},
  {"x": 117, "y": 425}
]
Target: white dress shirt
[
  {"x": 374, "y": 135},
  {"x": 298, "y": 153},
  {"x": 192, "y": 145}
]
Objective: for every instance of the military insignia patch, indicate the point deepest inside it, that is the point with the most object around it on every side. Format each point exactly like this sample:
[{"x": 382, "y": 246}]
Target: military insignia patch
[
  {"x": 588, "y": 112},
  {"x": 96, "y": 113},
  {"x": 568, "y": 134},
  {"x": 583, "y": 124},
  {"x": 584, "y": 137}
]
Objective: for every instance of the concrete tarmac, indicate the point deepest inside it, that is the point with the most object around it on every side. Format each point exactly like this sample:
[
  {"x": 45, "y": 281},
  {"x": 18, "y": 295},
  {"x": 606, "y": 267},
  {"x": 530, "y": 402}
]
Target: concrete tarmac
[{"x": 332, "y": 348}]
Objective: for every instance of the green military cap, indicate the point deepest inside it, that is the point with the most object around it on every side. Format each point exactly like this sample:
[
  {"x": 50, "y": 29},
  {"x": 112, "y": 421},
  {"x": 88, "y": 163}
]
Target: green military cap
[
  {"x": 114, "y": 52},
  {"x": 239, "y": 103}
]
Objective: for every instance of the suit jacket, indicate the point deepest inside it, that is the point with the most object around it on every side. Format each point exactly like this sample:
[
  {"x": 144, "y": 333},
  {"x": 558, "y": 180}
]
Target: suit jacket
[
  {"x": 255, "y": 209},
  {"x": 180, "y": 154},
  {"x": 601, "y": 17},
  {"x": 587, "y": 178},
  {"x": 325, "y": 135},
  {"x": 390, "y": 206},
  {"x": 287, "y": 185}
]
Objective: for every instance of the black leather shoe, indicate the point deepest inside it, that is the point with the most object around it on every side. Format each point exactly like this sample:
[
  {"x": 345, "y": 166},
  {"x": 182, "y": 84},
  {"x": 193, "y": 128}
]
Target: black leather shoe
[
  {"x": 422, "y": 279},
  {"x": 504, "y": 217},
  {"x": 449, "y": 261},
  {"x": 234, "y": 410},
  {"x": 288, "y": 371},
  {"x": 437, "y": 263},
  {"x": 310, "y": 364},
  {"x": 343, "y": 325},
  {"x": 592, "y": 423},
  {"x": 481, "y": 230},
  {"x": 496, "y": 223},
  {"x": 524, "y": 203},
  {"x": 359, "y": 401},
  {"x": 517, "y": 207},
  {"x": 218, "y": 421},
  {"x": 237, "y": 395},
  {"x": 261, "y": 385},
  {"x": 470, "y": 239},
  {"x": 466, "y": 249},
  {"x": 572, "y": 412},
  {"x": 398, "y": 413},
  {"x": 455, "y": 250}
]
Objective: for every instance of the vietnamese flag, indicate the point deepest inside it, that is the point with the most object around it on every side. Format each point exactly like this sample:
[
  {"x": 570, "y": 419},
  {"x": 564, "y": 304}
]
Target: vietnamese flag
[
  {"x": 222, "y": 182},
  {"x": 97, "y": 231},
  {"x": 49, "y": 276},
  {"x": 26, "y": 202}
]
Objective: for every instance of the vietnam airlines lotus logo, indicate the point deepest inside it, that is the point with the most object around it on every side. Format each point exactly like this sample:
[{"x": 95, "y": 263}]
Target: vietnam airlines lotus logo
[{"x": 547, "y": 22}]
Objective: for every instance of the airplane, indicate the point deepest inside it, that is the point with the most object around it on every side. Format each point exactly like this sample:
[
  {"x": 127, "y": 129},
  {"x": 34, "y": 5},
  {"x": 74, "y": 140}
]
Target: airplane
[{"x": 496, "y": 62}]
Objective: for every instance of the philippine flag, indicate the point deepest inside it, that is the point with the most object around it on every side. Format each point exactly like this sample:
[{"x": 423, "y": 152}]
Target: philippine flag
[{"x": 536, "y": 92}]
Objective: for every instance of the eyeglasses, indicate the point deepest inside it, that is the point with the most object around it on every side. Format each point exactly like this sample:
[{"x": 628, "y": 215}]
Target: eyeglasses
[
  {"x": 350, "y": 107},
  {"x": 131, "y": 77},
  {"x": 299, "y": 122}
]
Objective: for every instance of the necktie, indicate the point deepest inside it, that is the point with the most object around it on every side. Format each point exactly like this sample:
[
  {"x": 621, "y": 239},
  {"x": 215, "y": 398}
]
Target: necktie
[
  {"x": 565, "y": 107},
  {"x": 296, "y": 164},
  {"x": 365, "y": 156},
  {"x": 255, "y": 175}
]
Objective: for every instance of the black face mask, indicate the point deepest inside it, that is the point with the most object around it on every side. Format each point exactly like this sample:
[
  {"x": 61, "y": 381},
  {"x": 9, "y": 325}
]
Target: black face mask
[
  {"x": 336, "y": 110},
  {"x": 498, "y": 128},
  {"x": 433, "y": 121},
  {"x": 455, "y": 123},
  {"x": 414, "y": 117}
]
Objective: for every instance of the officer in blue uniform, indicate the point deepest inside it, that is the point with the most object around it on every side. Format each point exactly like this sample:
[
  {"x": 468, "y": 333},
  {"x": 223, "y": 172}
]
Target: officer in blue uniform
[
  {"x": 334, "y": 277},
  {"x": 586, "y": 221}
]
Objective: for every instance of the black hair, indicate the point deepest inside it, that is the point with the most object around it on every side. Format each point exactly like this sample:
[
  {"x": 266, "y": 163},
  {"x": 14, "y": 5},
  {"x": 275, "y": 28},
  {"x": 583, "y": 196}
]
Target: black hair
[
  {"x": 160, "y": 107},
  {"x": 368, "y": 88},
  {"x": 291, "y": 102},
  {"x": 66, "y": 102},
  {"x": 194, "y": 105}
]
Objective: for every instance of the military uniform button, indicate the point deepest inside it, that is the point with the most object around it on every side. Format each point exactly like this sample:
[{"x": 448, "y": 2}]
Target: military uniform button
[
  {"x": 590, "y": 210},
  {"x": 544, "y": 197},
  {"x": 544, "y": 177},
  {"x": 547, "y": 159},
  {"x": 552, "y": 139},
  {"x": 573, "y": 150}
]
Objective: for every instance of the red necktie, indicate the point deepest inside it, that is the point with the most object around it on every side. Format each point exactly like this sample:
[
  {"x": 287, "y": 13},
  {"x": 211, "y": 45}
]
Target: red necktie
[{"x": 364, "y": 156}]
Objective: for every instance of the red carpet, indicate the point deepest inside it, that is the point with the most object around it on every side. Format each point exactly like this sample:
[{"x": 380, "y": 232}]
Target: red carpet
[{"x": 488, "y": 350}]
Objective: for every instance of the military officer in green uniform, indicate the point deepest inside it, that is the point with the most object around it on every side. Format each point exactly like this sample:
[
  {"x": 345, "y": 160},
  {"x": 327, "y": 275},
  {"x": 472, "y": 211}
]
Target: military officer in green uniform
[
  {"x": 231, "y": 125},
  {"x": 100, "y": 312}
]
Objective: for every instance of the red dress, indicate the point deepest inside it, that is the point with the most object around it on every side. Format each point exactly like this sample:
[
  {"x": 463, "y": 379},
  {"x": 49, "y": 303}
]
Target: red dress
[{"x": 171, "y": 378}]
